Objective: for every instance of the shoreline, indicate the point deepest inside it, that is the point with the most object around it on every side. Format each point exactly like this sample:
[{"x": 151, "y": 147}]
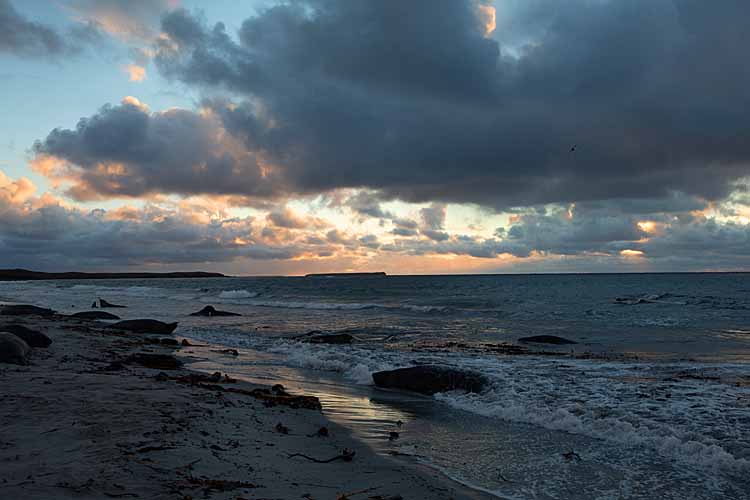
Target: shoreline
[{"x": 76, "y": 423}]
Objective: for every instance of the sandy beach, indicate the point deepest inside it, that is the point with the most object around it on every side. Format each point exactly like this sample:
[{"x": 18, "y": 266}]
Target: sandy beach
[{"x": 85, "y": 420}]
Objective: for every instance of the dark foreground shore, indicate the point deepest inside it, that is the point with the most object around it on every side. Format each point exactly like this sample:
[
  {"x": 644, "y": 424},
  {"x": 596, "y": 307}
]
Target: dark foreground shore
[{"x": 85, "y": 420}]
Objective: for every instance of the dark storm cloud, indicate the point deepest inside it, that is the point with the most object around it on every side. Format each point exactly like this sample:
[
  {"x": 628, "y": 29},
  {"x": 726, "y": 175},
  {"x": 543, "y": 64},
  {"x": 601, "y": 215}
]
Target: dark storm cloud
[
  {"x": 367, "y": 204},
  {"x": 126, "y": 150},
  {"x": 410, "y": 98},
  {"x": 23, "y": 37},
  {"x": 413, "y": 101}
]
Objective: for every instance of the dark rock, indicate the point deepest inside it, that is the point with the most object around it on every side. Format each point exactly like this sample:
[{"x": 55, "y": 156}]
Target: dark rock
[
  {"x": 547, "y": 339},
  {"x": 103, "y": 303},
  {"x": 281, "y": 428},
  {"x": 32, "y": 337},
  {"x": 94, "y": 315},
  {"x": 334, "y": 338},
  {"x": 322, "y": 432},
  {"x": 209, "y": 312},
  {"x": 144, "y": 326},
  {"x": 155, "y": 361},
  {"x": 25, "y": 310},
  {"x": 230, "y": 352},
  {"x": 185, "y": 343},
  {"x": 13, "y": 349},
  {"x": 393, "y": 436},
  {"x": 430, "y": 379}
]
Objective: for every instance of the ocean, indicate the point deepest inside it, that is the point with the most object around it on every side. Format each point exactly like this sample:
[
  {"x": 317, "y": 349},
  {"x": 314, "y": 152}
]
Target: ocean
[{"x": 653, "y": 400}]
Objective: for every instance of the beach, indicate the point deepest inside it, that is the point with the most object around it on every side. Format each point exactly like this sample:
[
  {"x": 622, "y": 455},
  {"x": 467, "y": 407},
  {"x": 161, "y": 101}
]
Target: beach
[
  {"x": 631, "y": 385},
  {"x": 78, "y": 424}
]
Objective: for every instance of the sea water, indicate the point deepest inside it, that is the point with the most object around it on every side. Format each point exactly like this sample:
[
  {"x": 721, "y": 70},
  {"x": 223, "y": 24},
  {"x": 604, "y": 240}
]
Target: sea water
[{"x": 653, "y": 401}]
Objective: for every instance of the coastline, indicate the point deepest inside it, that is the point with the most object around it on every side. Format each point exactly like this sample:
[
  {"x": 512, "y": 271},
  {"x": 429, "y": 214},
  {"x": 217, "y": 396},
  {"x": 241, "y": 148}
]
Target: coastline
[{"x": 77, "y": 424}]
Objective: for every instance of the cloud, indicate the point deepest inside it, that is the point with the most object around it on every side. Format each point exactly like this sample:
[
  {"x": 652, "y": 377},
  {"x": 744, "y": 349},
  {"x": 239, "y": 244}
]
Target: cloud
[
  {"x": 44, "y": 233},
  {"x": 135, "y": 73},
  {"x": 433, "y": 217},
  {"x": 287, "y": 219},
  {"x": 22, "y": 37},
  {"x": 128, "y": 151},
  {"x": 367, "y": 204},
  {"x": 130, "y": 20},
  {"x": 431, "y": 109},
  {"x": 331, "y": 94}
]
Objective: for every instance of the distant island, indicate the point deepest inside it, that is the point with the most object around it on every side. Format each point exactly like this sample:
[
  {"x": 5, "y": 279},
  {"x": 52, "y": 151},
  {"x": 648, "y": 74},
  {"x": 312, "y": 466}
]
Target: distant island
[
  {"x": 347, "y": 275},
  {"x": 26, "y": 275}
]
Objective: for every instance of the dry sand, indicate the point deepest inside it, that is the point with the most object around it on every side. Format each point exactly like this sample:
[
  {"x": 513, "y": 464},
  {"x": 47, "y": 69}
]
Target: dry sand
[{"x": 71, "y": 428}]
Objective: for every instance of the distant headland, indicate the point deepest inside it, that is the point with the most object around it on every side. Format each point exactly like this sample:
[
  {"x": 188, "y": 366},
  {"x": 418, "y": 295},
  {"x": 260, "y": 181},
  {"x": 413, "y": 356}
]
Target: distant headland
[
  {"x": 26, "y": 275},
  {"x": 347, "y": 275}
]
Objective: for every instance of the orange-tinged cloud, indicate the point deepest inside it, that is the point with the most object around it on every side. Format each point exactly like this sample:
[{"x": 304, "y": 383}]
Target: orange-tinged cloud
[
  {"x": 135, "y": 72},
  {"x": 15, "y": 192},
  {"x": 628, "y": 253},
  {"x": 647, "y": 226},
  {"x": 134, "y": 101},
  {"x": 488, "y": 16}
]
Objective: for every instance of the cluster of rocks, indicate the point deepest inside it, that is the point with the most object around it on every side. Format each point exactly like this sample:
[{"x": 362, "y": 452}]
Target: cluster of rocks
[{"x": 16, "y": 340}]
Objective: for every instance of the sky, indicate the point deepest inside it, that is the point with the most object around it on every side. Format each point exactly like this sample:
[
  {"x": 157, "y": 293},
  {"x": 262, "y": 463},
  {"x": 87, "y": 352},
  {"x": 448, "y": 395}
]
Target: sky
[{"x": 272, "y": 137}]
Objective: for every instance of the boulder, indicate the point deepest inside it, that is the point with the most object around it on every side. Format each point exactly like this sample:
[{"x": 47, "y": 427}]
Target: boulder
[
  {"x": 32, "y": 337},
  {"x": 331, "y": 338},
  {"x": 209, "y": 312},
  {"x": 103, "y": 303},
  {"x": 13, "y": 349},
  {"x": 94, "y": 315},
  {"x": 430, "y": 379},
  {"x": 144, "y": 326},
  {"x": 547, "y": 339},
  {"x": 25, "y": 310}
]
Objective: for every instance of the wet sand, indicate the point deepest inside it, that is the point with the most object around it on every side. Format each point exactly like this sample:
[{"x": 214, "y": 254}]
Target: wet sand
[{"x": 75, "y": 425}]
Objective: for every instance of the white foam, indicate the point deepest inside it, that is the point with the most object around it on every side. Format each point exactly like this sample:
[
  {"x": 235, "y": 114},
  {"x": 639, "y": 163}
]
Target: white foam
[
  {"x": 354, "y": 363},
  {"x": 237, "y": 294},
  {"x": 589, "y": 398}
]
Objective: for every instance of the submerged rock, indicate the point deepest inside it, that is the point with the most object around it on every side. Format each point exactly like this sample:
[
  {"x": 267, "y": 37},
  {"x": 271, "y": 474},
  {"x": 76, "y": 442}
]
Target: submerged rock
[
  {"x": 430, "y": 379},
  {"x": 103, "y": 303},
  {"x": 209, "y": 311},
  {"x": 144, "y": 326},
  {"x": 331, "y": 338},
  {"x": 94, "y": 315},
  {"x": 32, "y": 337},
  {"x": 13, "y": 349},
  {"x": 547, "y": 339},
  {"x": 25, "y": 310}
]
